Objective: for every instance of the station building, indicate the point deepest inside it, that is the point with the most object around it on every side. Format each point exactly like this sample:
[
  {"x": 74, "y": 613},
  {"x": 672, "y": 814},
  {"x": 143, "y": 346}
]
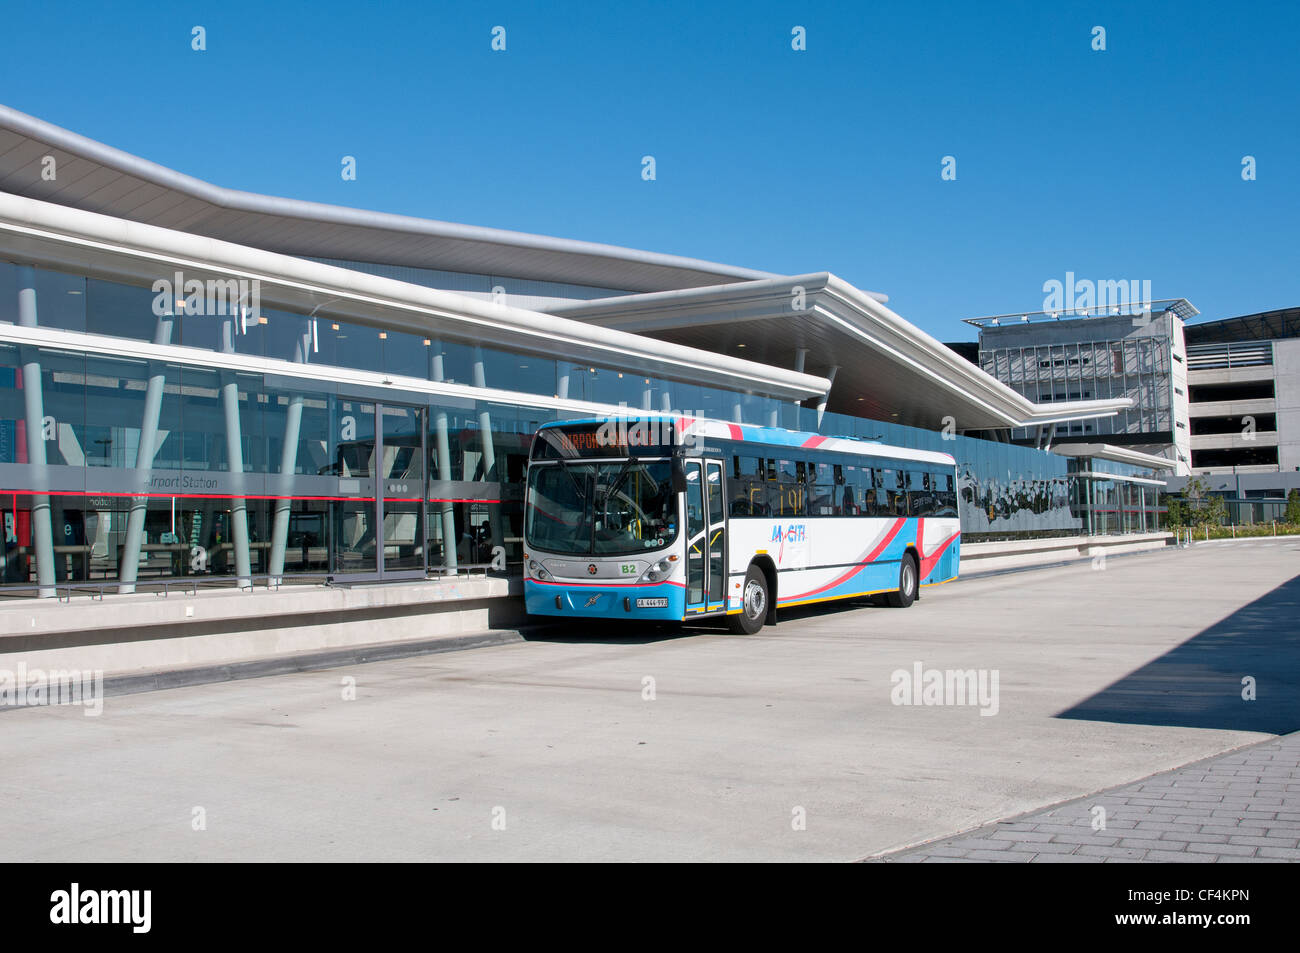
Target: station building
[
  {"x": 202, "y": 382},
  {"x": 1137, "y": 351}
]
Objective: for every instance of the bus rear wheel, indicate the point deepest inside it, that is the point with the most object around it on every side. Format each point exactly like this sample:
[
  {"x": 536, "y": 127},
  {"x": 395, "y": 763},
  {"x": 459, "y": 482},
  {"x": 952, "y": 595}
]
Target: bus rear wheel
[
  {"x": 908, "y": 578},
  {"x": 753, "y": 604}
]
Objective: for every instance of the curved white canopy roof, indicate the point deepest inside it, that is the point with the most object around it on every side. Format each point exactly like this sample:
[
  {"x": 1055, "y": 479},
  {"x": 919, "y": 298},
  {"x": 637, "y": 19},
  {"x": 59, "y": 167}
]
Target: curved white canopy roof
[{"x": 112, "y": 248}]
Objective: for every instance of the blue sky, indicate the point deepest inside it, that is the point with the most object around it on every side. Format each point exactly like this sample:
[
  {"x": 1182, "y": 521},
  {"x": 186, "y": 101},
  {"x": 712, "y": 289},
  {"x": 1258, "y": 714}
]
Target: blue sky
[{"x": 1122, "y": 164}]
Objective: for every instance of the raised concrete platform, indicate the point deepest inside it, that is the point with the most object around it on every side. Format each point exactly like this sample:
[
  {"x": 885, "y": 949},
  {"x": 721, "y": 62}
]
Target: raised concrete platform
[
  {"x": 978, "y": 558},
  {"x": 147, "y": 631}
]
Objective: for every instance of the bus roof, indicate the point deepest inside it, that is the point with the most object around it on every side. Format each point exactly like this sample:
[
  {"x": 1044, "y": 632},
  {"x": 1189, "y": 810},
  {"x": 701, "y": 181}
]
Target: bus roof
[{"x": 768, "y": 436}]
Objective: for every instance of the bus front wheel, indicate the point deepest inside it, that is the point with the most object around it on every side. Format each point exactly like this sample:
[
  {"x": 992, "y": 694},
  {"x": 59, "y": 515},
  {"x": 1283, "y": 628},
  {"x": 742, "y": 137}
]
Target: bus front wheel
[
  {"x": 907, "y": 583},
  {"x": 753, "y": 605}
]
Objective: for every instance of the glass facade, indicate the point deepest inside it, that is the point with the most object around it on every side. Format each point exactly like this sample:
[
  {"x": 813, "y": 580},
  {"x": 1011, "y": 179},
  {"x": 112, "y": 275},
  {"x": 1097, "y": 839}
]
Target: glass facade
[
  {"x": 127, "y": 470},
  {"x": 1139, "y": 367},
  {"x": 1112, "y": 498}
]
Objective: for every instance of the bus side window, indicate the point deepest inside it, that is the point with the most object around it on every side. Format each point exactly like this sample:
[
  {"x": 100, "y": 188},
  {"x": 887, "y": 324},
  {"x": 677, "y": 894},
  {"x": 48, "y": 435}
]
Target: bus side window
[
  {"x": 888, "y": 495},
  {"x": 868, "y": 493},
  {"x": 945, "y": 495},
  {"x": 821, "y": 490},
  {"x": 760, "y": 490},
  {"x": 786, "y": 492},
  {"x": 850, "y": 501},
  {"x": 821, "y": 500},
  {"x": 747, "y": 490}
]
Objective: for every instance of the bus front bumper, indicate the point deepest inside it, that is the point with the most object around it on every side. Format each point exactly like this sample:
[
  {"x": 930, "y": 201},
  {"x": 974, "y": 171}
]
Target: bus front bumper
[{"x": 594, "y": 601}]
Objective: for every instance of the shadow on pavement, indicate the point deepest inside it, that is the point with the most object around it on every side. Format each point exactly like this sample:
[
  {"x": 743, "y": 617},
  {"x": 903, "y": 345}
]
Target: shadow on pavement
[
  {"x": 616, "y": 632},
  {"x": 607, "y": 632},
  {"x": 1199, "y": 683}
]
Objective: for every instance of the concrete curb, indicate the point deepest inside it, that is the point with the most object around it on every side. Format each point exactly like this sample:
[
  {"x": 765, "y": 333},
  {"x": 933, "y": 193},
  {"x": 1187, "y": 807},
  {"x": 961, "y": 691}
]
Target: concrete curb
[
  {"x": 1058, "y": 564},
  {"x": 161, "y": 680}
]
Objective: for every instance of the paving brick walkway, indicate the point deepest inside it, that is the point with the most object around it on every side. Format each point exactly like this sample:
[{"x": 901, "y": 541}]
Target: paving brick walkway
[{"x": 1242, "y": 806}]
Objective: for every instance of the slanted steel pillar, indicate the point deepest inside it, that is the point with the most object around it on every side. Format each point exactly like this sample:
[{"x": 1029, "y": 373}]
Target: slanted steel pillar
[
  {"x": 800, "y": 362},
  {"x": 447, "y": 509},
  {"x": 34, "y": 424},
  {"x": 288, "y": 461},
  {"x": 489, "y": 452},
  {"x": 147, "y": 448},
  {"x": 821, "y": 404},
  {"x": 235, "y": 458}
]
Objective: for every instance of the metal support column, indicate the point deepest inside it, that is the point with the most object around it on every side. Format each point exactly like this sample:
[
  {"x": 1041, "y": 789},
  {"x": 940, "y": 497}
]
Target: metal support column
[
  {"x": 821, "y": 404},
  {"x": 447, "y": 509},
  {"x": 34, "y": 420},
  {"x": 288, "y": 461},
  {"x": 235, "y": 459},
  {"x": 147, "y": 448},
  {"x": 489, "y": 453}
]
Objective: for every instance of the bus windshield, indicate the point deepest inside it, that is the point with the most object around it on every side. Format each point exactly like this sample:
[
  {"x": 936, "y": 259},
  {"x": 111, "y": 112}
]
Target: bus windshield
[{"x": 601, "y": 509}]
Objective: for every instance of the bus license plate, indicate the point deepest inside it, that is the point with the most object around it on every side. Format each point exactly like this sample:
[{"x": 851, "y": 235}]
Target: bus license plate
[{"x": 659, "y": 602}]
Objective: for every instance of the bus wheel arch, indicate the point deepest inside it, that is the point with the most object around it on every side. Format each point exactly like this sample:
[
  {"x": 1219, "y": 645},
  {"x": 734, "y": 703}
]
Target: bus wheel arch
[
  {"x": 768, "y": 568},
  {"x": 759, "y": 585},
  {"x": 909, "y": 580}
]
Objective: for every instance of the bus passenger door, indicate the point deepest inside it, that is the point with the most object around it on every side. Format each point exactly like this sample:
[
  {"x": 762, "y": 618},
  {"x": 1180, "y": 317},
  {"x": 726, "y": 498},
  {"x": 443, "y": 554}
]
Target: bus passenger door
[
  {"x": 717, "y": 546},
  {"x": 697, "y": 529}
]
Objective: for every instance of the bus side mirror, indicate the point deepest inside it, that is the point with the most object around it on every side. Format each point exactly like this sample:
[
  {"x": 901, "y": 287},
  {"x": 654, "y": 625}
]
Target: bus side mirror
[{"x": 679, "y": 476}]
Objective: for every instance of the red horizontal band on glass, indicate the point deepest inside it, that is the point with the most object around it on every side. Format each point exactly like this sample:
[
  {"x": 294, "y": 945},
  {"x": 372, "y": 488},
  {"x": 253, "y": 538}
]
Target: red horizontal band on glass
[{"x": 233, "y": 496}]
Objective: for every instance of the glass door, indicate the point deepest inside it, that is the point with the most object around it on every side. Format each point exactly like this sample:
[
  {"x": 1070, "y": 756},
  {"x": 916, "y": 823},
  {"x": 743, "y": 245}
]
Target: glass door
[
  {"x": 697, "y": 528},
  {"x": 353, "y": 517},
  {"x": 400, "y": 502},
  {"x": 717, "y": 545}
]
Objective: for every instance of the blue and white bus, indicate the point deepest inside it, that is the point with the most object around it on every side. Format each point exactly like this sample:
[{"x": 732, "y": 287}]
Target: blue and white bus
[{"x": 678, "y": 518}]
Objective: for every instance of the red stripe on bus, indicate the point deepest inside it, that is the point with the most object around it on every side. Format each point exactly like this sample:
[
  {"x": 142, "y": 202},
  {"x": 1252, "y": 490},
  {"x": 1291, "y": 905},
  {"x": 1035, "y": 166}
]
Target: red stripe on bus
[
  {"x": 928, "y": 562},
  {"x": 234, "y": 496},
  {"x": 857, "y": 567}
]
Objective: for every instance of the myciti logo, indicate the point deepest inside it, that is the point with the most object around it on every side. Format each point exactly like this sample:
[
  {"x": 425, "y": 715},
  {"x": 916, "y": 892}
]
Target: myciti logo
[{"x": 794, "y": 533}]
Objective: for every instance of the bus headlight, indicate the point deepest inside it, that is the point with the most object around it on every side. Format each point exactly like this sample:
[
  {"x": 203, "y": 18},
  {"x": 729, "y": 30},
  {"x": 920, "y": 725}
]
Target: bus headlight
[
  {"x": 658, "y": 571},
  {"x": 536, "y": 569}
]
